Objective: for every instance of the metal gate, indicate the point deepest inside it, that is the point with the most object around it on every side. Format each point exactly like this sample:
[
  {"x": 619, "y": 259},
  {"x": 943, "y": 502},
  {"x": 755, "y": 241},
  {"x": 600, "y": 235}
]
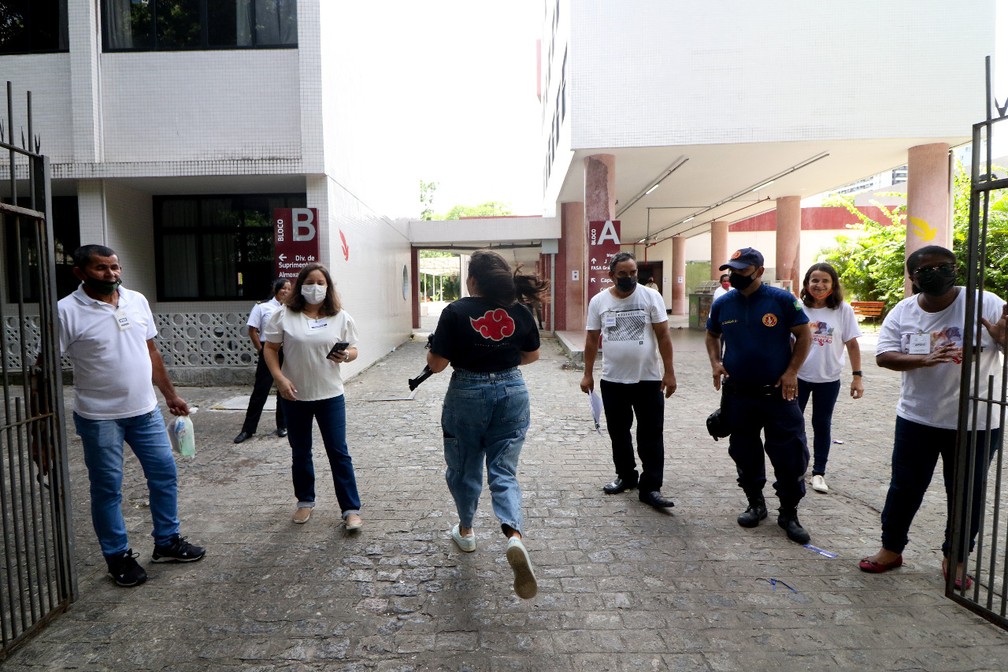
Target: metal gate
[
  {"x": 36, "y": 571},
  {"x": 982, "y": 399}
]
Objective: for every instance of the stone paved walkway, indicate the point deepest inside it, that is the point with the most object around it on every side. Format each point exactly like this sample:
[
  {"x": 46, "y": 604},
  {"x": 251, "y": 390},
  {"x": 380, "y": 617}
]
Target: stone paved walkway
[{"x": 622, "y": 586}]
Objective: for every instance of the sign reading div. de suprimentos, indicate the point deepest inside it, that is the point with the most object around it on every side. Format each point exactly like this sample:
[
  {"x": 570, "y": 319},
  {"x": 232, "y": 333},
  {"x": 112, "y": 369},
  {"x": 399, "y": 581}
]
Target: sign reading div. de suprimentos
[
  {"x": 603, "y": 244},
  {"x": 295, "y": 240}
]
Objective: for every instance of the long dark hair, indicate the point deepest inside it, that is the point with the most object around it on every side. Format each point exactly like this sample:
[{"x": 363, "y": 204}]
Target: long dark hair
[
  {"x": 836, "y": 296},
  {"x": 331, "y": 303},
  {"x": 278, "y": 285},
  {"x": 497, "y": 283}
]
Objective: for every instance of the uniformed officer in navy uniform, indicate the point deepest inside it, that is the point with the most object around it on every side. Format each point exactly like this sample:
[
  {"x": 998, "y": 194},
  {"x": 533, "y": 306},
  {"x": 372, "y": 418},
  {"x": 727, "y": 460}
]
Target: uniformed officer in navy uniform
[{"x": 758, "y": 379}]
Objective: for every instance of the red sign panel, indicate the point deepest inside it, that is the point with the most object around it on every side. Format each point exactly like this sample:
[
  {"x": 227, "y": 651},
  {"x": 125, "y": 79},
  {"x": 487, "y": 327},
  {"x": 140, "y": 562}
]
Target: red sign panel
[
  {"x": 603, "y": 244},
  {"x": 295, "y": 240}
]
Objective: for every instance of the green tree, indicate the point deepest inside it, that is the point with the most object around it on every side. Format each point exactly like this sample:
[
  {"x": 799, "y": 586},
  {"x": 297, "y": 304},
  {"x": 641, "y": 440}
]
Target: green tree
[
  {"x": 487, "y": 209},
  {"x": 871, "y": 267},
  {"x": 427, "y": 190}
]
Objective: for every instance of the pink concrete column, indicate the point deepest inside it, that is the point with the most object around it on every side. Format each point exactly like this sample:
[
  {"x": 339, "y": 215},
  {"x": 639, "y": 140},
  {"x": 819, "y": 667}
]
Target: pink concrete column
[
  {"x": 789, "y": 241},
  {"x": 679, "y": 305},
  {"x": 572, "y": 269},
  {"x": 929, "y": 199},
  {"x": 599, "y": 188},
  {"x": 718, "y": 248}
]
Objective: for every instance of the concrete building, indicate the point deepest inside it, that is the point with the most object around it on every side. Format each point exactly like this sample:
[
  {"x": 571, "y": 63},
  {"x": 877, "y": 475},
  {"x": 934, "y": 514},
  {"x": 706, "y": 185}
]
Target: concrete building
[
  {"x": 676, "y": 120},
  {"x": 174, "y": 136}
]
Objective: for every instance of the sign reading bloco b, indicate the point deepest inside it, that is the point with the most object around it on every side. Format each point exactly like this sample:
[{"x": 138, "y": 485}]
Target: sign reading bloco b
[{"x": 295, "y": 240}]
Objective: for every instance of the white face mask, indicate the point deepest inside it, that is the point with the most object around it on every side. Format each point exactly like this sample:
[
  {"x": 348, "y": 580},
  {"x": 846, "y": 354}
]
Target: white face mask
[{"x": 313, "y": 294}]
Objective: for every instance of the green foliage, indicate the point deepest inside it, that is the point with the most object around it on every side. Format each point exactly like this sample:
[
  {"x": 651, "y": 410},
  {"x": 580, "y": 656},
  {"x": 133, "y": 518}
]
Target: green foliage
[
  {"x": 427, "y": 190},
  {"x": 872, "y": 267},
  {"x": 487, "y": 209}
]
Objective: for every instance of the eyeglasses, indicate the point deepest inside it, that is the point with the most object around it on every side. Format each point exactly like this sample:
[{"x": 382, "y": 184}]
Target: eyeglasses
[{"x": 939, "y": 268}]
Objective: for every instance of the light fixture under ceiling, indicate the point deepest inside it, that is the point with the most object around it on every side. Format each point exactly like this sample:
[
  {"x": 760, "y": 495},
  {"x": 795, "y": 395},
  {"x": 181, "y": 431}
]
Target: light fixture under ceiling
[{"x": 676, "y": 165}]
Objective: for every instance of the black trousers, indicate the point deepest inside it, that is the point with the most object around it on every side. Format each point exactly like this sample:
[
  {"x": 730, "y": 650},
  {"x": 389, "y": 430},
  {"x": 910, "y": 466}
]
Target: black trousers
[
  {"x": 783, "y": 427},
  {"x": 622, "y": 401},
  {"x": 260, "y": 393}
]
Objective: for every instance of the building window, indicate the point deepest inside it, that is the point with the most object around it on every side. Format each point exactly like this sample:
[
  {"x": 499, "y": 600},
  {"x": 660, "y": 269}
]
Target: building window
[
  {"x": 66, "y": 239},
  {"x": 216, "y": 247},
  {"x": 172, "y": 25},
  {"x": 33, "y": 26}
]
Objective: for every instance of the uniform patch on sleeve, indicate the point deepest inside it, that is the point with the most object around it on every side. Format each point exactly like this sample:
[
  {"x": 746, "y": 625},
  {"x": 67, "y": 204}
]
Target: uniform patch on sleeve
[{"x": 797, "y": 304}]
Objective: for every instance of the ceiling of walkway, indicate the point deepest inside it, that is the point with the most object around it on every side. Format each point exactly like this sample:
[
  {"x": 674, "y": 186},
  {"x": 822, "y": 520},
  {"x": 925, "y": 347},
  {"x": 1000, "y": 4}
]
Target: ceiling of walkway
[{"x": 729, "y": 182}]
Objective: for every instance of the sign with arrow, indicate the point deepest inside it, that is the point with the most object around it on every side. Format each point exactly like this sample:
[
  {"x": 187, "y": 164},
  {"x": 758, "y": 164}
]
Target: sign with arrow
[
  {"x": 603, "y": 244},
  {"x": 295, "y": 240}
]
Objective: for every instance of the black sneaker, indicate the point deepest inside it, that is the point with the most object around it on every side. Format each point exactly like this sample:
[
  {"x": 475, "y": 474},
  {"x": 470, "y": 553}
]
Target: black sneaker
[
  {"x": 125, "y": 570},
  {"x": 179, "y": 550},
  {"x": 788, "y": 519}
]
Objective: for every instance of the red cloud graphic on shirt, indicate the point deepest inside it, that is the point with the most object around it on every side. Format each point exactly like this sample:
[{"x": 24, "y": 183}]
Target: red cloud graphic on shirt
[{"x": 495, "y": 324}]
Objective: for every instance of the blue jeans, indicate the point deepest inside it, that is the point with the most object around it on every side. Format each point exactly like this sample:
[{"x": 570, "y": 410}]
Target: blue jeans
[
  {"x": 103, "y": 455},
  {"x": 824, "y": 396},
  {"x": 485, "y": 417},
  {"x": 621, "y": 401},
  {"x": 331, "y": 417},
  {"x": 916, "y": 449}
]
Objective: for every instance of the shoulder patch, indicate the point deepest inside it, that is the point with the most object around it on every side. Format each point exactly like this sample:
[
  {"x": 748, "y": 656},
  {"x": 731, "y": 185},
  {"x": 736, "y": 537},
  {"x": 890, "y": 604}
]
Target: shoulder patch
[
  {"x": 769, "y": 320},
  {"x": 797, "y": 304}
]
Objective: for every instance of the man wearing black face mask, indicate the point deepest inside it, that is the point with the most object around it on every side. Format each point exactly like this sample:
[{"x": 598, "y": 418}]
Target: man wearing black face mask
[
  {"x": 108, "y": 333},
  {"x": 636, "y": 372},
  {"x": 758, "y": 379},
  {"x": 922, "y": 337}
]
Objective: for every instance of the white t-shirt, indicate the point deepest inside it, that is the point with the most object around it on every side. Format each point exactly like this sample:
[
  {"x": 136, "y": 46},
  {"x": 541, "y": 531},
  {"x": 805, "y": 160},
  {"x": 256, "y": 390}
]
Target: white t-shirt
[
  {"x": 719, "y": 292},
  {"x": 831, "y": 329},
  {"x": 930, "y": 395},
  {"x": 261, "y": 313},
  {"x": 629, "y": 347},
  {"x": 306, "y": 343},
  {"x": 108, "y": 348}
]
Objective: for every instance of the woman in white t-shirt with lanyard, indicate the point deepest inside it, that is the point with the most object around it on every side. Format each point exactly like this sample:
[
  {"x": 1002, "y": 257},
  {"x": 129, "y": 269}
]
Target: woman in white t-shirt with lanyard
[
  {"x": 834, "y": 328},
  {"x": 312, "y": 327}
]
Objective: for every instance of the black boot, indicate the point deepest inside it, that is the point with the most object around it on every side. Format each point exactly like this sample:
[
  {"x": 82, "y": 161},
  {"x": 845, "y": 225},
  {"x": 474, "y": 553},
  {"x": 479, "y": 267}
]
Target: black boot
[
  {"x": 788, "y": 519},
  {"x": 755, "y": 513}
]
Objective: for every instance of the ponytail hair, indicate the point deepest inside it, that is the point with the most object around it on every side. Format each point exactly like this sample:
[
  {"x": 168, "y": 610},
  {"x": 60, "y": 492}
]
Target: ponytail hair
[{"x": 497, "y": 283}]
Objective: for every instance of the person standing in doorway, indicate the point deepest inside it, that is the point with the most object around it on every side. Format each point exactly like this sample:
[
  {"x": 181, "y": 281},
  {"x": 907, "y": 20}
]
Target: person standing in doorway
[
  {"x": 108, "y": 333},
  {"x": 834, "y": 328},
  {"x": 317, "y": 337},
  {"x": 260, "y": 315},
  {"x": 637, "y": 377},
  {"x": 766, "y": 339}
]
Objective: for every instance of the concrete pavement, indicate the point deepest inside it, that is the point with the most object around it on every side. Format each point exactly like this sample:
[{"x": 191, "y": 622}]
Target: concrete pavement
[{"x": 621, "y": 586}]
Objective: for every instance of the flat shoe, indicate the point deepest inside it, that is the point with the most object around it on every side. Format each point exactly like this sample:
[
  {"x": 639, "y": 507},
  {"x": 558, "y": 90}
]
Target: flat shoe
[
  {"x": 466, "y": 544},
  {"x": 873, "y": 567},
  {"x": 353, "y": 522},
  {"x": 525, "y": 585},
  {"x": 958, "y": 582},
  {"x": 302, "y": 514}
]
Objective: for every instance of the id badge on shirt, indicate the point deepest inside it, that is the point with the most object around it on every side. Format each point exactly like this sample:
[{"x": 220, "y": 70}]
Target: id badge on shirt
[
  {"x": 920, "y": 344},
  {"x": 122, "y": 320},
  {"x": 609, "y": 321},
  {"x": 320, "y": 323}
]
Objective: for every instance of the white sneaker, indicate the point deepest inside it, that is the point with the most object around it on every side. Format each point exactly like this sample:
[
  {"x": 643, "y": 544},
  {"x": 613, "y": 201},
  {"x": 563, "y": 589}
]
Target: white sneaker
[
  {"x": 467, "y": 544},
  {"x": 819, "y": 483},
  {"x": 525, "y": 585}
]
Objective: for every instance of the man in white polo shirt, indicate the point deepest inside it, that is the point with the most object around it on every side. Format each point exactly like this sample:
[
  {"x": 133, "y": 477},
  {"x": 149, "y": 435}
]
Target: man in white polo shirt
[{"x": 108, "y": 333}]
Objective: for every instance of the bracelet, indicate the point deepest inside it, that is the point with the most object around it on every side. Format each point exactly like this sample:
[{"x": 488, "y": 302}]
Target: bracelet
[{"x": 857, "y": 373}]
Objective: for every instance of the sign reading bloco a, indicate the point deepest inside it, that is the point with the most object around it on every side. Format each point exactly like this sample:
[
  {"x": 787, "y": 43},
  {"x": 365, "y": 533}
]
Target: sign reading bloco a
[
  {"x": 295, "y": 240},
  {"x": 603, "y": 244}
]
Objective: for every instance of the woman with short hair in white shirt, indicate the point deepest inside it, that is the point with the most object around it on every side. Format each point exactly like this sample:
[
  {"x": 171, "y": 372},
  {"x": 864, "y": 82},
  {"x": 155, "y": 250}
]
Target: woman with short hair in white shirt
[{"x": 311, "y": 328}]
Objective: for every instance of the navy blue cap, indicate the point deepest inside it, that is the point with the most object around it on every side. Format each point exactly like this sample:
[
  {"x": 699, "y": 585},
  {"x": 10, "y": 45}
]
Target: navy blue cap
[{"x": 744, "y": 258}]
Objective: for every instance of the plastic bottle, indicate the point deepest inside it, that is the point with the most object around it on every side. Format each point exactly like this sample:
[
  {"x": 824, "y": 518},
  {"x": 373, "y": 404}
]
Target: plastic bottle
[{"x": 182, "y": 435}]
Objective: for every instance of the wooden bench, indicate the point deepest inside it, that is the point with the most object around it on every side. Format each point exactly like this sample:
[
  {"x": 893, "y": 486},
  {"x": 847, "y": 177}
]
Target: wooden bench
[{"x": 872, "y": 309}]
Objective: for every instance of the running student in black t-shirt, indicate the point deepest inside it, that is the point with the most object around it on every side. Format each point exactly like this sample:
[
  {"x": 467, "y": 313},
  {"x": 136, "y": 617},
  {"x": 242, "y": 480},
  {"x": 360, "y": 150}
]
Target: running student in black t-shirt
[{"x": 486, "y": 336}]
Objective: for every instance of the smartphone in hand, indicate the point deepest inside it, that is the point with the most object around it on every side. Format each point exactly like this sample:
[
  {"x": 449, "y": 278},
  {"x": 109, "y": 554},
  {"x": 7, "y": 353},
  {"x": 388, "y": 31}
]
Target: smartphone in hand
[{"x": 339, "y": 346}]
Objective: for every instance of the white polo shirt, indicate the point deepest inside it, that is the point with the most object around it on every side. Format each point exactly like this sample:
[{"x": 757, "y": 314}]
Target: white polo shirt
[
  {"x": 261, "y": 314},
  {"x": 108, "y": 348}
]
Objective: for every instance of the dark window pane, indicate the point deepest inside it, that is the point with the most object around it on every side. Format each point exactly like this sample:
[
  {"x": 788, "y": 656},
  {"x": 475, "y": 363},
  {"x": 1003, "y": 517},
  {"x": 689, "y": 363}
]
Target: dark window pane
[
  {"x": 178, "y": 24},
  {"x": 33, "y": 26},
  {"x": 218, "y": 270},
  {"x": 179, "y": 213},
  {"x": 13, "y": 26},
  {"x": 66, "y": 239},
  {"x": 177, "y": 257},
  {"x": 220, "y": 212},
  {"x": 275, "y": 22},
  {"x": 222, "y": 23}
]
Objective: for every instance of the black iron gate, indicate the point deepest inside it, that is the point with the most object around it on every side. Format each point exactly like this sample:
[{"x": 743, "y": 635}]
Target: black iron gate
[
  {"x": 982, "y": 399},
  {"x": 36, "y": 571}
]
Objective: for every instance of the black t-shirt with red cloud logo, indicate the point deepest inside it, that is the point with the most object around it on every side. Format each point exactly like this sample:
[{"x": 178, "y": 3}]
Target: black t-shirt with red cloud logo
[{"x": 477, "y": 335}]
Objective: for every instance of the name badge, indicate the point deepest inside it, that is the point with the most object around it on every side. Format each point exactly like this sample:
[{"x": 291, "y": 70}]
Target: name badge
[
  {"x": 122, "y": 319},
  {"x": 920, "y": 344},
  {"x": 321, "y": 323},
  {"x": 609, "y": 320}
]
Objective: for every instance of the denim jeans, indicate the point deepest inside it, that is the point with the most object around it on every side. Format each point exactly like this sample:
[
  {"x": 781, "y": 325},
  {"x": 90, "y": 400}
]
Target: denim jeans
[
  {"x": 916, "y": 449},
  {"x": 783, "y": 426},
  {"x": 621, "y": 401},
  {"x": 824, "y": 396},
  {"x": 485, "y": 417},
  {"x": 260, "y": 393},
  {"x": 103, "y": 455},
  {"x": 331, "y": 417}
]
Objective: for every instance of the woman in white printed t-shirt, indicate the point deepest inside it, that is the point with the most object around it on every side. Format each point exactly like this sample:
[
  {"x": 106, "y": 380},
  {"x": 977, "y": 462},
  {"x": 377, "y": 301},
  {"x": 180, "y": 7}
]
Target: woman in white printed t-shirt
[
  {"x": 834, "y": 328},
  {"x": 309, "y": 327}
]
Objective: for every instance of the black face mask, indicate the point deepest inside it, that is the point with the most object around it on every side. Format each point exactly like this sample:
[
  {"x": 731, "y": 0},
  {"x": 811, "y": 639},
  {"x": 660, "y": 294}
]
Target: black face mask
[
  {"x": 935, "y": 281},
  {"x": 740, "y": 282},
  {"x": 102, "y": 287},
  {"x": 626, "y": 284}
]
